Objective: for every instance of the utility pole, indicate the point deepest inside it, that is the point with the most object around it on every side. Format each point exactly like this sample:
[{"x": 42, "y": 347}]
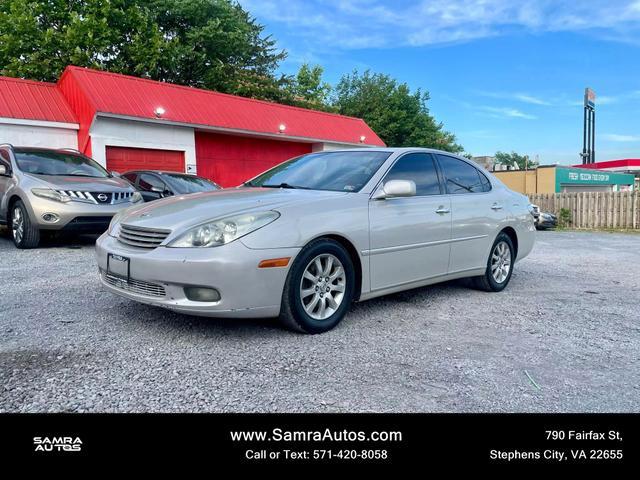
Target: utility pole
[{"x": 589, "y": 128}]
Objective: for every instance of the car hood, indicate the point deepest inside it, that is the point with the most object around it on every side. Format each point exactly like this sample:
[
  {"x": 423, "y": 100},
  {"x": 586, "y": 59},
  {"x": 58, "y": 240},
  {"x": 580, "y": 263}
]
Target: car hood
[
  {"x": 183, "y": 211},
  {"x": 84, "y": 184}
]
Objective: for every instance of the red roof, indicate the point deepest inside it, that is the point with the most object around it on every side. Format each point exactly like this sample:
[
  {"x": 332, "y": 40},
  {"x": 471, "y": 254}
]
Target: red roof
[
  {"x": 29, "y": 100},
  {"x": 622, "y": 163},
  {"x": 111, "y": 93}
]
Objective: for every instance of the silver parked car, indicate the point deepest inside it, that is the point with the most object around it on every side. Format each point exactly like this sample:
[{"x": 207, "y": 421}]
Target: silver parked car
[
  {"x": 306, "y": 238},
  {"x": 57, "y": 190}
]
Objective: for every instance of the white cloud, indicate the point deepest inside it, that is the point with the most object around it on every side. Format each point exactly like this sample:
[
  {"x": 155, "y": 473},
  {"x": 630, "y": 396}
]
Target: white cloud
[
  {"x": 616, "y": 137},
  {"x": 340, "y": 24},
  {"x": 521, "y": 97},
  {"x": 507, "y": 112}
]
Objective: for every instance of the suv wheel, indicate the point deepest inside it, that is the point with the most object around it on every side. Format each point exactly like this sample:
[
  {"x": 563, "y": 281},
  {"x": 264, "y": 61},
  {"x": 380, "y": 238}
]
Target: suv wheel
[
  {"x": 319, "y": 288},
  {"x": 25, "y": 234},
  {"x": 499, "y": 265}
]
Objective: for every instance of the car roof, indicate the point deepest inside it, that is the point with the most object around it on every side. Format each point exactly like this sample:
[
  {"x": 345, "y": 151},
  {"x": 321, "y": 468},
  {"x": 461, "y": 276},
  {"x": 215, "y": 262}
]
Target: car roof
[
  {"x": 167, "y": 172},
  {"x": 73, "y": 151},
  {"x": 390, "y": 150},
  {"x": 159, "y": 172}
]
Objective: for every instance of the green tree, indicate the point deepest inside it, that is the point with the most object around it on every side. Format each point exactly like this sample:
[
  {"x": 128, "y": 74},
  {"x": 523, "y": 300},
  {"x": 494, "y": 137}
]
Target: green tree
[
  {"x": 307, "y": 88},
  {"x": 514, "y": 159},
  {"x": 216, "y": 44},
  {"x": 400, "y": 117},
  {"x": 212, "y": 44},
  {"x": 39, "y": 38}
]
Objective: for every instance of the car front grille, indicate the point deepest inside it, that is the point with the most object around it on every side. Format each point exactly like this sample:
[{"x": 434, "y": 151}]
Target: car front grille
[
  {"x": 142, "y": 237},
  {"x": 99, "y": 198},
  {"x": 139, "y": 287}
]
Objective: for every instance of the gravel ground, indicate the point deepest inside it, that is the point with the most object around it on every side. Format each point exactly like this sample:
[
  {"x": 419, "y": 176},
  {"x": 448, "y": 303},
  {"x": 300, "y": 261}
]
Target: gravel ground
[{"x": 570, "y": 320}]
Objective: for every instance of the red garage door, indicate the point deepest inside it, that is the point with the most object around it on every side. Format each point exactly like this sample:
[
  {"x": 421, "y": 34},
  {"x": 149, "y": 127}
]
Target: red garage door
[
  {"x": 230, "y": 160},
  {"x": 122, "y": 159}
]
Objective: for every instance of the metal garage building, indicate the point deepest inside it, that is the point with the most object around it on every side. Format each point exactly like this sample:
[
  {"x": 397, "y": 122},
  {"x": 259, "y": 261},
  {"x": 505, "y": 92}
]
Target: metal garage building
[{"x": 129, "y": 123}]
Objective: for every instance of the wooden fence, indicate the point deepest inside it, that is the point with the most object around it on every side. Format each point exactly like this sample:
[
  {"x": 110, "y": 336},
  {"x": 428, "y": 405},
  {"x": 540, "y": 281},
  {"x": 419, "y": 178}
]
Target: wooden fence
[{"x": 615, "y": 210}]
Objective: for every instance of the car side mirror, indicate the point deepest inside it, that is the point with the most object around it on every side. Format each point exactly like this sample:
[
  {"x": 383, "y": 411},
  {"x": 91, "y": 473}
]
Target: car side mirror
[
  {"x": 157, "y": 189},
  {"x": 396, "y": 188},
  {"x": 3, "y": 171}
]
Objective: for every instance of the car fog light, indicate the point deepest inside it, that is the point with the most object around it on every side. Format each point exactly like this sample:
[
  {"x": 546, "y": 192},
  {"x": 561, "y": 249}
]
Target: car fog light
[
  {"x": 202, "y": 294},
  {"x": 50, "y": 217}
]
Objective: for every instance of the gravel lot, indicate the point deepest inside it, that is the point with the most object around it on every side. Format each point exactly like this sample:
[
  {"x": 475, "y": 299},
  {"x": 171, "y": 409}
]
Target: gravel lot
[{"x": 570, "y": 319}]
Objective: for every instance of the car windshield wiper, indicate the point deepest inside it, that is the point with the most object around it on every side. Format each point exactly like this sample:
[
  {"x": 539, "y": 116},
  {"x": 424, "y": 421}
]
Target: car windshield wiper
[
  {"x": 79, "y": 175},
  {"x": 285, "y": 185}
]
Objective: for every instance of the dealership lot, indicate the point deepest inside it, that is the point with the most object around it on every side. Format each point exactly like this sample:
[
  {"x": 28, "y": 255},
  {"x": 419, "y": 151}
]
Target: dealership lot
[{"x": 564, "y": 336}]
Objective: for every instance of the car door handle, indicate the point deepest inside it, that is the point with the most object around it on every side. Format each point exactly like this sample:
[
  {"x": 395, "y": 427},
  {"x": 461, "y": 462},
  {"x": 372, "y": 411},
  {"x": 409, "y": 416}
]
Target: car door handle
[
  {"x": 496, "y": 206},
  {"x": 442, "y": 210}
]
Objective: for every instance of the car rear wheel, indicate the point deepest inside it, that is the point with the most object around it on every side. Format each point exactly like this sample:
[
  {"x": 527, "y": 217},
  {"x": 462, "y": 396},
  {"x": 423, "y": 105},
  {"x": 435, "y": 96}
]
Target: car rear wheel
[
  {"x": 499, "y": 265},
  {"x": 24, "y": 233},
  {"x": 319, "y": 288}
]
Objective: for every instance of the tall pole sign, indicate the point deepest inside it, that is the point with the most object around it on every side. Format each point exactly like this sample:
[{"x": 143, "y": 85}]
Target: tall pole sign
[{"x": 589, "y": 131}]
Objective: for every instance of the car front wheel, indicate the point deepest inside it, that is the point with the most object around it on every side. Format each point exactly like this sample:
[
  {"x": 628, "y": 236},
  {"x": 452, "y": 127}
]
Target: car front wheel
[
  {"x": 25, "y": 234},
  {"x": 499, "y": 265},
  {"x": 319, "y": 288}
]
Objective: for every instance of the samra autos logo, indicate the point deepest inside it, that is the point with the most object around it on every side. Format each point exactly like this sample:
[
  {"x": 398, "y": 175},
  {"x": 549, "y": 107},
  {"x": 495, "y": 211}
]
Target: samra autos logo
[{"x": 57, "y": 444}]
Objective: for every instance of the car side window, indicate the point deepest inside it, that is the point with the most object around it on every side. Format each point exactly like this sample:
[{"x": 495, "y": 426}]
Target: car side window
[
  {"x": 420, "y": 168},
  {"x": 131, "y": 177},
  {"x": 486, "y": 184},
  {"x": 459, "y": 176},
  {"x": 147, "y": 182}
]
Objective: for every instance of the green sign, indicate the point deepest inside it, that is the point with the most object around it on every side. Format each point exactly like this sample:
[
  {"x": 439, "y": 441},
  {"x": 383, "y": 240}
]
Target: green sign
[{"x": 582, "y": 176}]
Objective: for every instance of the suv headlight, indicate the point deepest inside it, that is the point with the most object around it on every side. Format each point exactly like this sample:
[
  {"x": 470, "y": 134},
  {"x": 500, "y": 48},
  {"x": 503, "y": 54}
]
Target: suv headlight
[
  {"x": 50, "y": 194},
  {"x": 224, "y": 230},
  {"x": 136, "y": 197}
]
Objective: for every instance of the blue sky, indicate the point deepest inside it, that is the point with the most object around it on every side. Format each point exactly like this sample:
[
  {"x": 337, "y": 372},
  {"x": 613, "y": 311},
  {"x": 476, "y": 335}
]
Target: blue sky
[{"x": 502, "y": 74}]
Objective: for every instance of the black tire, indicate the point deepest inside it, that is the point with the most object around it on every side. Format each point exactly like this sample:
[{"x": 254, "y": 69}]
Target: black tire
[
  {"x": 292, "y": 312},
  {"x": 30, "y": 237},
  {"x": 487, "y": 282}
]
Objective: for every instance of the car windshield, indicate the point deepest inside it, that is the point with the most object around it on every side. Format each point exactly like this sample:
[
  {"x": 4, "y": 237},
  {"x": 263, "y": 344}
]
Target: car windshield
[
  {"x": 190, "y": 183},
  {"x": 336, "y": 171},
  {"x": 42, "y": 162}
]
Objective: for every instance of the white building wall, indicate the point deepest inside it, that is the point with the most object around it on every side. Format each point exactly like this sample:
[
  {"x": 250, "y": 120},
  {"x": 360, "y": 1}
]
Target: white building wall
[
  {"x": 117, "y": 132},
  {"x": 321, "y": 147},
  {"x": 25, "y": 134}
]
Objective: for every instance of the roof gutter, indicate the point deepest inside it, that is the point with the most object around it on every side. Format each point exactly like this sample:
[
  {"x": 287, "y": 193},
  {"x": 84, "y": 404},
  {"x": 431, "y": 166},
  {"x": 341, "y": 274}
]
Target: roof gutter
[
  {"x": 39, "y": 123},
  {"x": 232, "y": 131}
]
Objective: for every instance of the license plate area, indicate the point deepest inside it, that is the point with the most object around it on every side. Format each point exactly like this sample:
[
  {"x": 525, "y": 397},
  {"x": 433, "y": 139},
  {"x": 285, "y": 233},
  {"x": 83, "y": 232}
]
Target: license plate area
[{"x": 119, "y": 266}]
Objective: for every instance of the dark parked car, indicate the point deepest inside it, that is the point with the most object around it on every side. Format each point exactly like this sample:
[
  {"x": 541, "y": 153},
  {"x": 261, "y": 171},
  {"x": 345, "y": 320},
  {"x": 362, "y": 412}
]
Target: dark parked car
[
  {"x": 546, "y": 220},
  {"x": 543, "y": 220},
  {"x": 154, "y": 184}
]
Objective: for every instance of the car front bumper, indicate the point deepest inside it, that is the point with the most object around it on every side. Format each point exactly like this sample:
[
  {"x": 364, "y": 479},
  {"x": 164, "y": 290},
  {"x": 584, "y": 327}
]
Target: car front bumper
[
  {"x": 158, "y": 277},
  {"x": 546, "y": 222},
  {"x": 74, "y": 216}
]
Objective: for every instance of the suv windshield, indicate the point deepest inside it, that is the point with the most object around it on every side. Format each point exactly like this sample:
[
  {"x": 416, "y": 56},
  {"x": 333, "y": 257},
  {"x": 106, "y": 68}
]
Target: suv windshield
[
  {"x": 190, "y": 183},
  {"x": 42, "y": 162},
  {"x": 336, "y": 171}
]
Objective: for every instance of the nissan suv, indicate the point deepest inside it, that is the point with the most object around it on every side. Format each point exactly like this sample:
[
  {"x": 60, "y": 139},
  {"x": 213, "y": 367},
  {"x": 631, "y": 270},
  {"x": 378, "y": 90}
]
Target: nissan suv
[{"x": 45, "y": 189}]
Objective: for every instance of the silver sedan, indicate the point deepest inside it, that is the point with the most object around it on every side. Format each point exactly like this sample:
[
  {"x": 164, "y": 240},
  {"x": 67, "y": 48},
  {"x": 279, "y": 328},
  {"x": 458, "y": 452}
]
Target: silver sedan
[{"x": 305, "y": 239}]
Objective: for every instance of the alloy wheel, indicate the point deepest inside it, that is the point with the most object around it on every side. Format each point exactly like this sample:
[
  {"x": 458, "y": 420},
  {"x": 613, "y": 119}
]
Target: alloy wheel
[
  {"x": 17, "y": 225},
  {"x": 501, "y": 262},
  {"x": 322, "y": 286}
]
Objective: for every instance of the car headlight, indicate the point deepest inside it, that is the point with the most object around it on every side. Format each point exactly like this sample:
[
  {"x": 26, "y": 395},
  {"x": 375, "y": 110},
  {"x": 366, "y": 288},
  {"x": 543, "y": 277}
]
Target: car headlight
[
  {"x": 114, "y": 225},
  {"x": 136, "y": 197},
  {"x": 224, "y": 230},
  {"x": 50, "y": 194}
]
